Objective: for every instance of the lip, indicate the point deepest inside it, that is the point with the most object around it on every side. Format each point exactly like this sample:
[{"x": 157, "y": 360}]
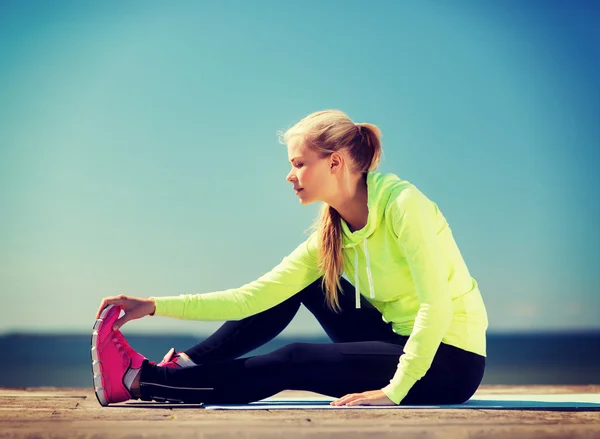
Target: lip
[{"x": 298, "y": 190}]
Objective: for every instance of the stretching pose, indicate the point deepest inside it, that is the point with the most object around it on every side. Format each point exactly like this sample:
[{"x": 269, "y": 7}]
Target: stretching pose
[{"x": 407, "y": 327}]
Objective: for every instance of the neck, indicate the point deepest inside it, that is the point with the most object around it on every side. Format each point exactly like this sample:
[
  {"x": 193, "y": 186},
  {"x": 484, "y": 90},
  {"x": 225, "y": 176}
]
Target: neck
[{"x": 351, "y": 204}]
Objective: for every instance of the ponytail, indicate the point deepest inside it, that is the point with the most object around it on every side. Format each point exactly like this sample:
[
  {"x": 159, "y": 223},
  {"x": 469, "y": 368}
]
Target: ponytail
[{"x": 330, "y": 261}]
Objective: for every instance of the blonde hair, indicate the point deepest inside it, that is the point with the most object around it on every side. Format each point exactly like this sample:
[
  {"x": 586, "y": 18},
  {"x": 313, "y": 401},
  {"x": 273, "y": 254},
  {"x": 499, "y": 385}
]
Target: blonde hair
[{"x": 327, "y": 132}]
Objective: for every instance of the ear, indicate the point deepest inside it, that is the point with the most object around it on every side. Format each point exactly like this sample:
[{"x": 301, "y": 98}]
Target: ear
[{"x": 336, "y": 161}]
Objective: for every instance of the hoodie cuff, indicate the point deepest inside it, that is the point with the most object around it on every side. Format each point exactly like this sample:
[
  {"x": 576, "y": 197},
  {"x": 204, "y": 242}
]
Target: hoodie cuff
[
  {"x": 399, "y": 386},
  {"x": 169, "y": 306}
]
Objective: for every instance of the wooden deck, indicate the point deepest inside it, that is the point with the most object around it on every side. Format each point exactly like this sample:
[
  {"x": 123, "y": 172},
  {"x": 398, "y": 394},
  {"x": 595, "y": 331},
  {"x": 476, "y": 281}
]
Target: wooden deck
[{"x": 75, "y": 413}]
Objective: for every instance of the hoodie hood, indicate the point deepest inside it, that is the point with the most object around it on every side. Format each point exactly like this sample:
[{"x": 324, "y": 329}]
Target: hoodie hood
[{"x": 379, "y": 190}]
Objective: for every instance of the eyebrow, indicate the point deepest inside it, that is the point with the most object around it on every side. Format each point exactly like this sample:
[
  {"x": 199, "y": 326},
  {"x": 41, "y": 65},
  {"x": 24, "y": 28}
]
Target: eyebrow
[{"x": 294, "y": 158}]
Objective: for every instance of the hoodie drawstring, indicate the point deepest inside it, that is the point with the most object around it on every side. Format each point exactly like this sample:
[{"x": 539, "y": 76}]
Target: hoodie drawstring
[
  {"x": 369, "y": 276},
  {"x": 356, "y": 284}
]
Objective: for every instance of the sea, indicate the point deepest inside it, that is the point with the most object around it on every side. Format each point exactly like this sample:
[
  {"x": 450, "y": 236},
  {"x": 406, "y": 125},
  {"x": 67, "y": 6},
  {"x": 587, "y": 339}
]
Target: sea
[{"x": 63, "y": 360}]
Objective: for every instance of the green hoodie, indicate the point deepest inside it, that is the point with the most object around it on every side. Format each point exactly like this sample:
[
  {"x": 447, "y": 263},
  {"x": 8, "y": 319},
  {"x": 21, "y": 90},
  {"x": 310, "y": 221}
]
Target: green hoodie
[{"x": 404, "y": 261}]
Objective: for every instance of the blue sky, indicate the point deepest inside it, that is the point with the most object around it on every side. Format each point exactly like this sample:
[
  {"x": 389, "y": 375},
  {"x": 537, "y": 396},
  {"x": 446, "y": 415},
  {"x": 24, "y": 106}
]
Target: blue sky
[{"x": 139, "y": 155}]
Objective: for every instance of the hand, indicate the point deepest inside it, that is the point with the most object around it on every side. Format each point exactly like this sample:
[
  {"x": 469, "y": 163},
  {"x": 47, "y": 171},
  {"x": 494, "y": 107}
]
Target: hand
[
  {"x": 372, "y": 397},
  {"x": 134, "y": 307}
]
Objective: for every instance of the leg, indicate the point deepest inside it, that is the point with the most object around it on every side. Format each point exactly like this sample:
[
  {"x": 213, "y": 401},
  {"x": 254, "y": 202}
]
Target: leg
[
  {"x": 236, "y": 338},
  {"x": 330, "y": 369}
]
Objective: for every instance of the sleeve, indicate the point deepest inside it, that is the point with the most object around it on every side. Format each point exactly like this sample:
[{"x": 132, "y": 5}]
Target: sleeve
[
  {"x": 295, "y": 272},
  {"x": 413, "y": 216}
]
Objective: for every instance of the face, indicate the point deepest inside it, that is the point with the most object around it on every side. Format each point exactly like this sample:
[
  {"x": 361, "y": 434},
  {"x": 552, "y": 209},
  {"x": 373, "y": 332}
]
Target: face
[{"x": 310, "y": 175}]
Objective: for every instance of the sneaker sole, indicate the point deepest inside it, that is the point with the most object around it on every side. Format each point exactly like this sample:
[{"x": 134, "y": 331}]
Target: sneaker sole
[{"x": 96, "y": 365}]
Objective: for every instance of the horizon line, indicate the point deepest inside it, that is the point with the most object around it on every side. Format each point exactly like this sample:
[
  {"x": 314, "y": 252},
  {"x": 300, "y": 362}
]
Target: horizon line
[{"x": 553, "y": 331}]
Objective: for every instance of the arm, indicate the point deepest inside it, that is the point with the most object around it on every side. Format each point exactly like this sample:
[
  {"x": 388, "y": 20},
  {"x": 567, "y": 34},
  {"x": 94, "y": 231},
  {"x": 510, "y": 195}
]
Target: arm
[
  {"x": 413, "y": 217},
  {"x": 294, "y": 273}
]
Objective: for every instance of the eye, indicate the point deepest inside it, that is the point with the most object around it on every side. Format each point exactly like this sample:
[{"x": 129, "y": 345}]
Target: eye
[{"x": 299, "y": 165}]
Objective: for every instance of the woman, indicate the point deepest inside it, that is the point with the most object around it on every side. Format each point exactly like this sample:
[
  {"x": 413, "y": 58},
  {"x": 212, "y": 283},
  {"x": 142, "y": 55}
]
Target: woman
[{"x": 409, "y": 330}]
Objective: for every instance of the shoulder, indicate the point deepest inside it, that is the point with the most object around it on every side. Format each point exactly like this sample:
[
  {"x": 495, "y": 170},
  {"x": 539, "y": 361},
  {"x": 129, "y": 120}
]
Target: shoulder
[
  {"x": 409, "y": 208},
  {"x": 404, "y": 198}
]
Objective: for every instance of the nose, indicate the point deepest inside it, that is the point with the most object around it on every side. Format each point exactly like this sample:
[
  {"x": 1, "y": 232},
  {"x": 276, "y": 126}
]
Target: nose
[{"x": 290, "y": 177}]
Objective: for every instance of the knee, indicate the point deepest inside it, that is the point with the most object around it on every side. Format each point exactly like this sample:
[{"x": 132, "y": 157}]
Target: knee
[
  {"x": 313, "y": 296},
  {"x": 296, "y": 361},
  {"x": 311, "y": 291},
  {"x": 296, "y": 352}
]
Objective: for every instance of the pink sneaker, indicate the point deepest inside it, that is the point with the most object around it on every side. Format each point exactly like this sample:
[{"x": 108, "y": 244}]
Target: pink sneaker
[
  {"x": 112, "y": 357},
  {"x": 176, "y": 360}
]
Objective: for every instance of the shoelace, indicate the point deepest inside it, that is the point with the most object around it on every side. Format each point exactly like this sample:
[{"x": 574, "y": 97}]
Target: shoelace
[
  {"x": 173, "y": 360},
  {"x": 122, "y": 345}
]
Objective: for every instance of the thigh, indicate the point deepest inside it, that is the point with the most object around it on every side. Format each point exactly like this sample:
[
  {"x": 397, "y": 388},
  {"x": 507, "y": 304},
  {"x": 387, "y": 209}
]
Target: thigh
[
  {"x": 336, "y": 369},
  {"x": 349, "y": 324}
]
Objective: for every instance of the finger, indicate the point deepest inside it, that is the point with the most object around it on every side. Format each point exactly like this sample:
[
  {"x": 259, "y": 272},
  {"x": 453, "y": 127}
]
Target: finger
[
  {"x": 100, "y": 308},
  {"x": 116, "y": 300},
  {"x": 358, "y": 401},
  {"x": 340, "y": 400},
  {"x": 353, "y": 399},
  {"x": 103, "y": 305},
  {"x": 344, "y": 399},
  {"x": 120, "y": 322}
]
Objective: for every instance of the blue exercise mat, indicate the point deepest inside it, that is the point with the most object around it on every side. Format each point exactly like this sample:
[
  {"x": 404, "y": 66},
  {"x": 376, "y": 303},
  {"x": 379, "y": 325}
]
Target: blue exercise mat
[{"x": 573, "y": 401}]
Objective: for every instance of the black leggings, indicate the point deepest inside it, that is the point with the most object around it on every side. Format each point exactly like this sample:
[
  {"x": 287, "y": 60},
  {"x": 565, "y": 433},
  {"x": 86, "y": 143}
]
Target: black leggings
[{"x": 363, "y": 356}]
